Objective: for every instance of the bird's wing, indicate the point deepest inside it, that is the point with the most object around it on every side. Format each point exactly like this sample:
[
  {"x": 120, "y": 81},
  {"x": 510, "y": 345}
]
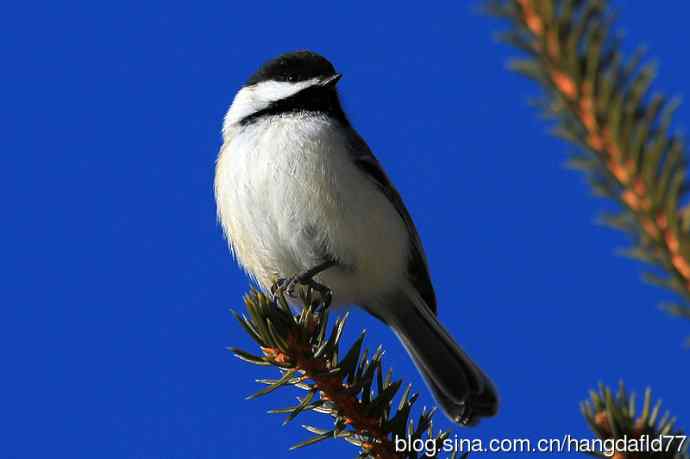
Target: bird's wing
[{"x": 418, "y": 269}]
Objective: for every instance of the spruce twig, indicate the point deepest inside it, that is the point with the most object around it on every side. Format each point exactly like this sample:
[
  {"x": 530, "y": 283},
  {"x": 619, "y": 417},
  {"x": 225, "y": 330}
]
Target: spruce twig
[
  {"x": 351, "y": 388},
  {"x": 613, "y": 416},
  {"x": 601, "y": 103}
]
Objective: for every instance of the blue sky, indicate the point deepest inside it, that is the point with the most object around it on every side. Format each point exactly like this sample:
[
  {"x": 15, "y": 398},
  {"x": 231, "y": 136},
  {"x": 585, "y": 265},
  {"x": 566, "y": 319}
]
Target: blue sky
[{"x": 117, "y": 281}]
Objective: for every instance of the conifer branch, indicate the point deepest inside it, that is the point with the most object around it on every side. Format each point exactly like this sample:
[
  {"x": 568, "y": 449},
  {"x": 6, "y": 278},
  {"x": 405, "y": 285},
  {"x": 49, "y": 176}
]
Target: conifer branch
[
  {"x": 612, "y": 417},
  {"x": 601, "y": 104},
  {"x": 351, "y": 389}
]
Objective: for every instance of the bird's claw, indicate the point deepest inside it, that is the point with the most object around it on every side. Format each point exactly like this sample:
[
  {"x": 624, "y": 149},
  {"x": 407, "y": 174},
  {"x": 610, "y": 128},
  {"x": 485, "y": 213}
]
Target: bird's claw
[
  {"x": 285, "y": 286},
  {"x": 325, "y": 292},
  {"x": 288, "y": 286}
]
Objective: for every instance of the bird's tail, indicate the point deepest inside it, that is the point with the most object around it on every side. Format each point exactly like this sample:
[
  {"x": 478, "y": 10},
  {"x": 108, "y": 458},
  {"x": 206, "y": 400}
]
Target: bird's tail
[{"x": 460, "y": 387}]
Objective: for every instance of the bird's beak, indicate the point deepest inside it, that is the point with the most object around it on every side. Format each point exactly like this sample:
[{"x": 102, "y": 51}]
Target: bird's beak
[{"x": 331, "y": 80}]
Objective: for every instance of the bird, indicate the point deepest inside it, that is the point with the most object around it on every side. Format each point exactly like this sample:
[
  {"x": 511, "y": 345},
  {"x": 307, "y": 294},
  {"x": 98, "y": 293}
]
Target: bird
[{"x": 301, "y": 198}]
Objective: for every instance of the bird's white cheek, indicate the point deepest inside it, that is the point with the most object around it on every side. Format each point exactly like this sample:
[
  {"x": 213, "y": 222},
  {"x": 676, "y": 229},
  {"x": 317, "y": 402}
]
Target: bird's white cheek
[
  {"x": 246, "y": 103},
  {"x": 253, "y": 99}
]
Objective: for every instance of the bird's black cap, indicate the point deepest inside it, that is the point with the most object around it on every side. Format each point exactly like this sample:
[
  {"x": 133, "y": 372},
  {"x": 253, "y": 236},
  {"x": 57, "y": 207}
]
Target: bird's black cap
[{"x": 294, "y": 66}]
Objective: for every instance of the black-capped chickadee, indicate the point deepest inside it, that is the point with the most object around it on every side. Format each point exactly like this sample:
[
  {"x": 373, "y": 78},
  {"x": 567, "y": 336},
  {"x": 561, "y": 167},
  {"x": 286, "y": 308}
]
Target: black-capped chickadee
[{"x": 301, "y": 196}]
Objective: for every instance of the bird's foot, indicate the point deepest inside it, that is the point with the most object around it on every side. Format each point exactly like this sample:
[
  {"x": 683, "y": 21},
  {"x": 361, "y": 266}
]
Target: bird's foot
[
  {"x": 325, "y": 293},
  {"x": 287, "y": 286}
]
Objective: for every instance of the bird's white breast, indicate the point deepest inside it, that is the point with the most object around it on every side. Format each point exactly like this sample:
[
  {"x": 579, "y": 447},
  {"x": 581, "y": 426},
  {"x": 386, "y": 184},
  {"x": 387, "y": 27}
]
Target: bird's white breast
[{"x": 288, "y": 193}]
